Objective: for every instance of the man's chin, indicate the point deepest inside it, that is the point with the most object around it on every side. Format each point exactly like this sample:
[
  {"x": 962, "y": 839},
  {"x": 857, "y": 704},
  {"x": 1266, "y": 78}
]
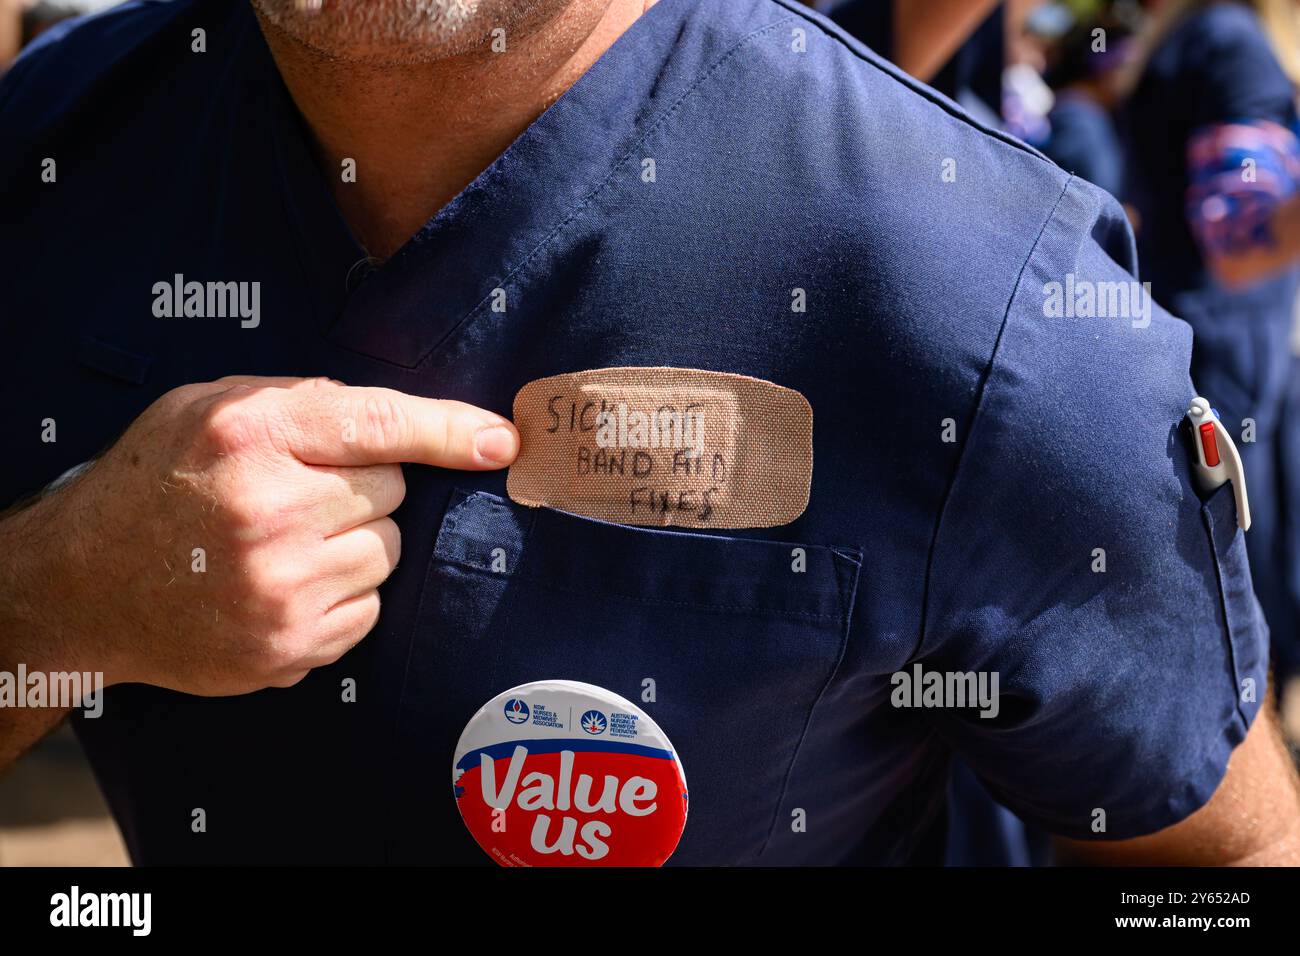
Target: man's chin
[{"x": 396, "y": 32}]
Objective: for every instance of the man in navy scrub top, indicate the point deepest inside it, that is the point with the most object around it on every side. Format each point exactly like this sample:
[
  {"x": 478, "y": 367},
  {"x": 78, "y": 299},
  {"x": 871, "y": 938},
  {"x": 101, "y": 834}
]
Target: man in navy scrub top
[
  {"x": 439, "y": 209},
  {"x": 1085, "y": 81}
]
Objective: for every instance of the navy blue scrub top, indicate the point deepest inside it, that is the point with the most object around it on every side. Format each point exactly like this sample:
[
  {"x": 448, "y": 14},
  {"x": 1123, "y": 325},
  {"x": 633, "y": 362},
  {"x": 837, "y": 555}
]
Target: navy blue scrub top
[{"x": 787, "y": 157}]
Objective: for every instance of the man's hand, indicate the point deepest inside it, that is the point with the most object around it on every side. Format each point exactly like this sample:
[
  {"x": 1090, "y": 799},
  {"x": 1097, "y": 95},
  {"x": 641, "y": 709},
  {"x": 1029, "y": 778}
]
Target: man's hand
[{"x": 284, "y": 484}]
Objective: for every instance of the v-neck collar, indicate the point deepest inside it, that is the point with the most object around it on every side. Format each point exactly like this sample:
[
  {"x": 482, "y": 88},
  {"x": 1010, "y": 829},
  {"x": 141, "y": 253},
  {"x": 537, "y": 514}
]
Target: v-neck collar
[{"x": 402, "y": 311}]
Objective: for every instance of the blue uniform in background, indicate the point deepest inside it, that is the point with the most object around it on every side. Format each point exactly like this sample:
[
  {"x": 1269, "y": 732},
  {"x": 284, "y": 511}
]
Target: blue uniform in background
[
  {"x": 973, "y": 454},
  {"x": 1084, "y": 141},
  {"x": 1217, "y": 68}
]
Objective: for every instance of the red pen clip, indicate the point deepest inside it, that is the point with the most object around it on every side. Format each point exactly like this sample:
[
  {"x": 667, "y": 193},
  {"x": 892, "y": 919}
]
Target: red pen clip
[{"x": 1217, "y": 459}]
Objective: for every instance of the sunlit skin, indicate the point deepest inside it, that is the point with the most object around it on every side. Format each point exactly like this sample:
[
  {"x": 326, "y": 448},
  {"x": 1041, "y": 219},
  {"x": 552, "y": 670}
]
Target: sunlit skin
[{"x": 422, "y": 121}]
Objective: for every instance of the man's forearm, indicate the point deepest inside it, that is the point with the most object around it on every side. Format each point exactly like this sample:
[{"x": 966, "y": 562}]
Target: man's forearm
[
  {"x": 1242, "y": 267},
  {"x": 29, "y": 600},
  {"x": 928, "y": 32},
  {"x": 11, "y": 31}
]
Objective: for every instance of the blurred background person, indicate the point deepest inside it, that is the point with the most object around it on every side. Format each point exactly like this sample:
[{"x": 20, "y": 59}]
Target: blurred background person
[
  {"x": 11, "y": 30},
  {"x": 954, "y": 46},
  {"x": 22, "y": 21},
  {"x": 1084, "y": 69},
  {"x": 1025, "y": 99},
  {"x": 1213, "y": 166},
  {"x": 986, "y": 56}
]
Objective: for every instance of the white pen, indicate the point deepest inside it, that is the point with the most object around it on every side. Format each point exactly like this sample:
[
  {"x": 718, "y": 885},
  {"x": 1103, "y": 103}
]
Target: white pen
[{"x": 1217, "y": 460}]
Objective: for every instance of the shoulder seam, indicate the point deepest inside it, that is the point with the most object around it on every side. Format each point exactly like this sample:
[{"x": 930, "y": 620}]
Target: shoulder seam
[
  {"x": 912, "y": 83},
  {"x": 981, "y": 393}
]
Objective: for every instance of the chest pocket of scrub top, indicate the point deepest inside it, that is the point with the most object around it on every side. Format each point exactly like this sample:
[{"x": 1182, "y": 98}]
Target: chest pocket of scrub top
[{"x": 731, "y": 642}]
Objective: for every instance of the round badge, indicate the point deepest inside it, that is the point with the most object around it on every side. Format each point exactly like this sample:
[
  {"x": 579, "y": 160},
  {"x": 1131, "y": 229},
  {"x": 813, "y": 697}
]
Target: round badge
[{"x": 560, "y": 773}]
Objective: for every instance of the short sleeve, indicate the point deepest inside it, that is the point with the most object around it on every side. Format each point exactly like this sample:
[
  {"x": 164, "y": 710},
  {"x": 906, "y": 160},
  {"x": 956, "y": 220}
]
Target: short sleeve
[{"x": 1076, "y": 565}]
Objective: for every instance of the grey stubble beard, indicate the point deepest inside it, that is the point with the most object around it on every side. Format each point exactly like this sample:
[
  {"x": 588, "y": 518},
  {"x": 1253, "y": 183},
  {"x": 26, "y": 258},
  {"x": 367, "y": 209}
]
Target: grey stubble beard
[{"x": 398, "y": 31}]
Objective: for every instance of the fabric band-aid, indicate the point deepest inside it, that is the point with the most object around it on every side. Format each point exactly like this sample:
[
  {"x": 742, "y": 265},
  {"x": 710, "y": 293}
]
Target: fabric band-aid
[{"x": 664, "y": 446}]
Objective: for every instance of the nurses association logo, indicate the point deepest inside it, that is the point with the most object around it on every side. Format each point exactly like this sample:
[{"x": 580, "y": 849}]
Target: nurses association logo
[
  {"x": 516, "y": 711},
  {"x": 593, "y": 722}
]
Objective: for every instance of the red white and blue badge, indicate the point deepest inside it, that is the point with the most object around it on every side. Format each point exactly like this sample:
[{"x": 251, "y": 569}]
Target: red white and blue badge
[{"x": 560, "y": 773}]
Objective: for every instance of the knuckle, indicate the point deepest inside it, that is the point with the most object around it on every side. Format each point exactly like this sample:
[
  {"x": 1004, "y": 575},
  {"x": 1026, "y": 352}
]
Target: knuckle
[
  {"x": 380, "y": 557},
  {"x": 272, "y": 656},
  {"x": 394, "y": 544},
  {"x": 386, "y": 420},
  {"x": 180, "y": 397},
  {"x": 175, "y": 410},
  {"x": 285, "y": 647},
  {"x": 243, "y": 515},
  {"x": 274, "y": 588},
  {"x": 361, "y": 620},
  {"x": 319, "y": 381},
  {"x": 397, "y": 484},
  {"x": 257, "y": 515},
  {"x": 234, "y": 424},
  {"x": 370, "y": 616},
  {"x": 290, "y": 588},
  {"x": 446, "y": 434}
]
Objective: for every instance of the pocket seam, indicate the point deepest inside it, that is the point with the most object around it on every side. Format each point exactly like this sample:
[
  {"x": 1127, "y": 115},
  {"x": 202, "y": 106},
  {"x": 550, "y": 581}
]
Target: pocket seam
[
  {"x": 1218, "y": 556},
  {"x": 518, "y": 571},
  {"x": 846, "y": 635},
  {"x": 512, "y": 598},
  {"x": 123, "y": 364},
  {"x": 614, "y": 595}
]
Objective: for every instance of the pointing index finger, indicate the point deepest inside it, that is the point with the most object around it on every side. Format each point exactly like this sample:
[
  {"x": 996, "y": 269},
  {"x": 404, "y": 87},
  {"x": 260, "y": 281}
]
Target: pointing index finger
[{"x": 368, "y": 426}]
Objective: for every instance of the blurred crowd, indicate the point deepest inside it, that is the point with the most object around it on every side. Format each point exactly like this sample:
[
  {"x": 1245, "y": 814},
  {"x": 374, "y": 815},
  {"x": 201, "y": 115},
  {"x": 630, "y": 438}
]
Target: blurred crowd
[{"x": 22, "y": 21}]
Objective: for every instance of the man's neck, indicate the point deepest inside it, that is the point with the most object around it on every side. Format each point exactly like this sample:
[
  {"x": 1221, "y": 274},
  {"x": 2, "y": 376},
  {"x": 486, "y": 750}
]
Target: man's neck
[{"x": 420, "y": 133}]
